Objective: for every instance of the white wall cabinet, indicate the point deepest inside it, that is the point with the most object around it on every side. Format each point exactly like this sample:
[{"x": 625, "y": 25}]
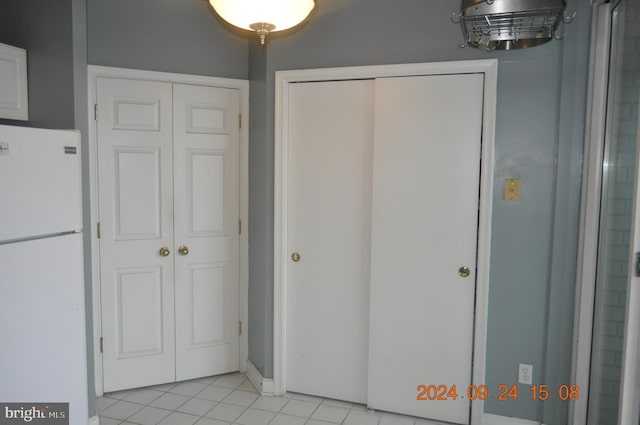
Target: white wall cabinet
[{"x": 14, "y": 102}]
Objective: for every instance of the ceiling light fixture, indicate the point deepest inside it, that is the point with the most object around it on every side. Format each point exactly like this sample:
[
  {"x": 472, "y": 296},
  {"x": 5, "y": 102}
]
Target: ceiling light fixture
[{"x": 263, "y": 16}]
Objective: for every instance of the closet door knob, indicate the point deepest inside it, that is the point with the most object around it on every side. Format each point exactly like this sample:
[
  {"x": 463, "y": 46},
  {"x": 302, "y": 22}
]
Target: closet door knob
[
  {"x": 183, "y": 250},
  {"x": 464, "y": 271},
  {"x": 164, "y": 251},
  {"x": 295, "y": 257}
]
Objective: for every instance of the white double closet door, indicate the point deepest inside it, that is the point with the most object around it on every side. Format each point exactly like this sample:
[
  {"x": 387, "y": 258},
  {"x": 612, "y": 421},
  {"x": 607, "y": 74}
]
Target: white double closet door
[
  {"x": 168, "y": 158},
  {"x": 383, "y": 198}
]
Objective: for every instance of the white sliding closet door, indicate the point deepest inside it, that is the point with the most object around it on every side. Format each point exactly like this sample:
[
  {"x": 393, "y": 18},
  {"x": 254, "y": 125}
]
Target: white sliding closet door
[
  {"x": 330, "y": 136},
  {"x": 382, "y": 222},
  {"x": 426, "y": 170}
]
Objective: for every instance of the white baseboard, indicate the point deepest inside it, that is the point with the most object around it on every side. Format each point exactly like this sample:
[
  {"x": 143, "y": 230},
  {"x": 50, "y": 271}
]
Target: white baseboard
[
  {"x": 94, "y": 420},
  {"x": 262, "y": 384},
  {"x": 489, "y": 419}
]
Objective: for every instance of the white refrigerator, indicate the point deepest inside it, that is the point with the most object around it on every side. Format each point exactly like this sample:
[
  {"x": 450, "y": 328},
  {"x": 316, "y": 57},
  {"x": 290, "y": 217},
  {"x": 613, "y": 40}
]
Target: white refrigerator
[{"x": 42, "y": 314}]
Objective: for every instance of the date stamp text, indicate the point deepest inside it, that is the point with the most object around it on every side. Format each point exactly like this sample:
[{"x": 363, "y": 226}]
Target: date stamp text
[{"x": 540, "y": 392}]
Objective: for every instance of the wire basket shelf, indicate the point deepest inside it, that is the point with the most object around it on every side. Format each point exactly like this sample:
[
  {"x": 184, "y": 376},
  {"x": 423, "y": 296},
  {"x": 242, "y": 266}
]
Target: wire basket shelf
[{"x": 510, "y": 29}]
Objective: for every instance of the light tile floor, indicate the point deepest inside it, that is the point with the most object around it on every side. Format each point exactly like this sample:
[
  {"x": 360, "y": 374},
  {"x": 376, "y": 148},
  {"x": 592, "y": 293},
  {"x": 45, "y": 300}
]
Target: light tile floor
[{"x": 232, "y": 399}]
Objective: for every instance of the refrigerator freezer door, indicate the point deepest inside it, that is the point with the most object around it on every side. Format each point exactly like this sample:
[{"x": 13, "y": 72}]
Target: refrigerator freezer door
[
  {"x": 43, "y": 355},
  {"x": 41, "y": 190}
]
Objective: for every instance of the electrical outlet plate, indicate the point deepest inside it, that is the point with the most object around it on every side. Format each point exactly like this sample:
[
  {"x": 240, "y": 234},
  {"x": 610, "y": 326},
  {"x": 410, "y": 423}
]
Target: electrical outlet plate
[
  {"x": 512, "y": 189},
  {"x": 525, "y": 374}
]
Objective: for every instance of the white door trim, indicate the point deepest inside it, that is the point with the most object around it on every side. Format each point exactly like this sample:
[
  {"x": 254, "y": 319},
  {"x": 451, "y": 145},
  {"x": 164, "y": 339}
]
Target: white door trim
[
  {"x": 283, "y": 80},
  {"x": 243, "y": 86}
]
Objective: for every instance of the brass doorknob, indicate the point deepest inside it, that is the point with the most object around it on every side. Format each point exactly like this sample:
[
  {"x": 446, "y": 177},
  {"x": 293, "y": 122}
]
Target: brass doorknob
[
  {"x": 295, "y": 257},
  {"x": 183, "y": 250},
  {"x": 464, "y": 271},
  {"x": 164, "y": 251}
]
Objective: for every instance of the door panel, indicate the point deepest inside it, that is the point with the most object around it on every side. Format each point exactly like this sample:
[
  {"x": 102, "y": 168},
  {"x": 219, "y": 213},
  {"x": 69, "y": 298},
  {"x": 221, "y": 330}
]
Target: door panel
[
  {"x": 136, "y": 114},
  {"x": 206, "y": 203},
  {"x": 137, "y": 193},
  {"x": 330, "y": 134},
  {"x": 139, "y": 306},
  {"x": 136, "y": 216},
  {"x": 206, "y": 304},
  {"x": 206, "y": 161},
  {"x": 426, "y": 170}
]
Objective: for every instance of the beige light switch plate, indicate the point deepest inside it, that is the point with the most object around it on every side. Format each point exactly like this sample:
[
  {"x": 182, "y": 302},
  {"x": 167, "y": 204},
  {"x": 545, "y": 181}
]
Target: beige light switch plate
[{"x": 512, "y": 189}]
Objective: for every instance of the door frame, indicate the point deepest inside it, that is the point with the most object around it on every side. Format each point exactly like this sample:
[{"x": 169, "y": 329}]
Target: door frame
[
  {"x": 601, "y": 52},
  {"x": 94, "y": 72},
  {"x": 590, "y": 209},
  {"x": 283, "y": 81},
  {"x": 630, "y": 374}
]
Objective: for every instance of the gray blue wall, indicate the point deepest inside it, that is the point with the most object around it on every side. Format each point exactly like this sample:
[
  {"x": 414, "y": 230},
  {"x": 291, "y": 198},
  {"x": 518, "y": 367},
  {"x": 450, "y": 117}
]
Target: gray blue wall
[
  {"x": 539, "y": 134},
  {"x": 54, "y": 34},
  {"x": 45, "y": 30},
  {"x": 260, "y": 265},
  {"x": 541, "y": 101},
  {"x": 169, "y": 35},
  {"x": 183, "y": 36}
]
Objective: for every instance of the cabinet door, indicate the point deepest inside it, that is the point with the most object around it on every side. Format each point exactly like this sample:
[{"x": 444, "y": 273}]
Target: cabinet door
[
  {"x": 206, "y": 168},
  {"x": 14, "y": 101},
  {"x": 426, "y": 171},
  {"x": 136, "y": 215}
]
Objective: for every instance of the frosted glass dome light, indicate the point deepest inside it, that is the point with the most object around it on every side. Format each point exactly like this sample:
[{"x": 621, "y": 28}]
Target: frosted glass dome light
[{"x": 263, "y": 16}]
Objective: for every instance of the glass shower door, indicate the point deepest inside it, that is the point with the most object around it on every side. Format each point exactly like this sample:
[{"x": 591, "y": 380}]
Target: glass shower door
[{"x": 613, "y": 321}]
